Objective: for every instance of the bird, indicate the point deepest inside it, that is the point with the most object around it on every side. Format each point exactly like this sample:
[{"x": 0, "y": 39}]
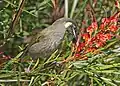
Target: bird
[{"x": 45, "y": 42}]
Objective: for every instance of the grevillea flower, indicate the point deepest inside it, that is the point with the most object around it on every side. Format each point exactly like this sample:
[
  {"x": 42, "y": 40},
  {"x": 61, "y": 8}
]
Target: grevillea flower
[
  {"x": 113, "y": 28},
  {"x": 97, "y": 40},
  {"x": 102, "y": 26},
  {"x": 100, "y": 36},
  {"x": 80, "y": 47},
  {"x": 77, "y": 55},
  {"x": 86, "y": 36},
  {"x": 99, "y": 44},
  {"x": 108, "y": 36},
  {"x": 92, "y": 27},
  {"x": 105, "y": 21}
]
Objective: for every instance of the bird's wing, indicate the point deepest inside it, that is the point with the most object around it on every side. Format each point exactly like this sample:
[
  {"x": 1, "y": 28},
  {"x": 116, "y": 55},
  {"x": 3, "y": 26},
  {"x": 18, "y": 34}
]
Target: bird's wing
[{"x": 47, "y": 41}]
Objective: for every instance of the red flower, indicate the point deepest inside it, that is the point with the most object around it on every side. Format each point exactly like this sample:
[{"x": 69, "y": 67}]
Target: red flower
[
  {"x": 100, "y": 36},
  {"x": 91, "y": 42},
  {"x": 86, "y": 37},
  {"x": 102, "y": 26},
  {"x": 108, "y": 36},
  {"x": 113, "y": 28},
  {"x": 92, "y": 27},
  {"x": 99, "y": 44},
  {"x": 80, "y": 47},
  {"x": 77, "y": 55},
  {"x": 105, "y": 21}
]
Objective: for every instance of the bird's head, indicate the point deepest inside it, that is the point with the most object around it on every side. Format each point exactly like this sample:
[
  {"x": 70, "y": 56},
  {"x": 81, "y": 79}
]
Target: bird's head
[{"x": 70, "y": 26}]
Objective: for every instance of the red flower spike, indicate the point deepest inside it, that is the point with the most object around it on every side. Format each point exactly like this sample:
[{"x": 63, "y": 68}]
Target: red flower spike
[
  {"x": 93, "y": 39},
  {"x": 93, "y": 42},
  {"x": 113, "y": 28}
]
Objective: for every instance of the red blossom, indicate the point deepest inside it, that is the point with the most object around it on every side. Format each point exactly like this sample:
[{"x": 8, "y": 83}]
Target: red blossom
[
  {"x": 94, "y": 41},
  {"x": 99, "y": 44},
  {"x": 93, "y": 38},
  {"x": 102, "y": 26},
  {"x": 80, "y": 47},
  {"x": 91, "y": 42},
  {"x": 105, "y": 20},
  {"x": 86, "y": 37},
  {"x": 92, "y": 27},
  {"x": 113, "y": 28},
  {"x": 77, "y": 55},
  {"x": 101, "y": 37},
  {"x": 108, "y": 36}
]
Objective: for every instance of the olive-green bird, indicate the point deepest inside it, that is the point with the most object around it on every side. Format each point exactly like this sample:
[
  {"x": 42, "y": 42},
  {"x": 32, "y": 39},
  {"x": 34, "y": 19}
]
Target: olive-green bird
[{"x": 45, "y": 42}]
